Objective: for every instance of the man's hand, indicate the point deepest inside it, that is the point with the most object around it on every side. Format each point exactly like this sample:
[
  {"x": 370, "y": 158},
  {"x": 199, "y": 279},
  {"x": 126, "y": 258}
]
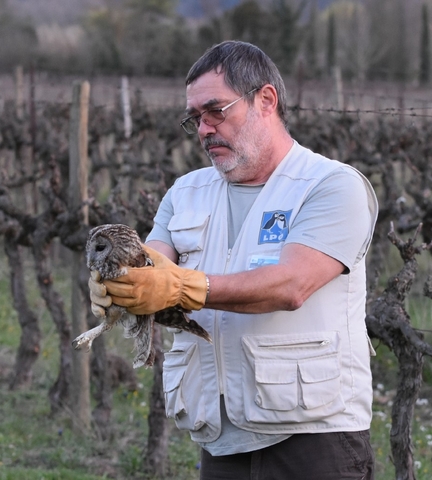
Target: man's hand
[
  {"x": 98, "y": 295},
  {"x": 148, "y": 290}
]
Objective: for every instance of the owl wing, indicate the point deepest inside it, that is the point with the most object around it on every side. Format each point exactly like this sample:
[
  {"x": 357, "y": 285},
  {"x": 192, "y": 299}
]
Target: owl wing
[{"x": 175, "y": 317}]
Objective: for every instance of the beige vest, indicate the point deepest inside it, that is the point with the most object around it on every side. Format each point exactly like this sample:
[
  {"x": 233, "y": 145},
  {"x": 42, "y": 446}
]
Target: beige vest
[{"x": 282, "y": 372}]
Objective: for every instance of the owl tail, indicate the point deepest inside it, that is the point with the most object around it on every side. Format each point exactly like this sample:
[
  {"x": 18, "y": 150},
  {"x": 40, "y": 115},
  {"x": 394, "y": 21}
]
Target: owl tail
[{"x": 176, "y": 317}]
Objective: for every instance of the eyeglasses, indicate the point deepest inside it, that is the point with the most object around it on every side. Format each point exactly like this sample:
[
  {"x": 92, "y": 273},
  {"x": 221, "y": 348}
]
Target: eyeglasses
[{"x": 212, "y": 117}]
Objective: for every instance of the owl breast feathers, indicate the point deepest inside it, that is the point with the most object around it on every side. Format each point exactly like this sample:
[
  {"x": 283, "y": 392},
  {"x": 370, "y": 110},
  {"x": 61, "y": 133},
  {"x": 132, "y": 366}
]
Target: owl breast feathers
[{"x": 110, "y": 250}]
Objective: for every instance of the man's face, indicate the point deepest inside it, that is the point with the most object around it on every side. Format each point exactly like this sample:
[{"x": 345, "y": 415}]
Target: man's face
[{"x": 235, "y": 146}]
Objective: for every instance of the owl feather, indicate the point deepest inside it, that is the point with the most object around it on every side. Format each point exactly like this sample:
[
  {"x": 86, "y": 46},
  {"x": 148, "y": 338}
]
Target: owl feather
[{"x": 110, "y": 250}]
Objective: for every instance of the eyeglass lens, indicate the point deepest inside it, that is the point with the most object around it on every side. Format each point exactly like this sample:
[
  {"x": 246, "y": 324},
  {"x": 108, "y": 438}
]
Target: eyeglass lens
[{"x": 210, "y": 117}]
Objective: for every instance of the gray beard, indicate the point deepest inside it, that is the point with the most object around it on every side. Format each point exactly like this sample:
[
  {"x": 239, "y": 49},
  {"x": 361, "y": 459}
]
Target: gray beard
[{"x": 226, "y": 168}]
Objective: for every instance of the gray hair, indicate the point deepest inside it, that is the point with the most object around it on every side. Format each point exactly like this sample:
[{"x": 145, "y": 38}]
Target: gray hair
[{"x": 245, "y": 67}]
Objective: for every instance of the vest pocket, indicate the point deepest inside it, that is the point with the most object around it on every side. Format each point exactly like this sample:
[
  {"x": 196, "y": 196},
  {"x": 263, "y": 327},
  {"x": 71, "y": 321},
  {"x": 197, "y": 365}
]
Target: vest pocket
[
  {"x": 181, "y": 367},
  {"x": 291, "y": 378},
  {"x": 276, "y": 385},
  {"x": 188, "y": 233},
  {"x": 319, "y": 381}
]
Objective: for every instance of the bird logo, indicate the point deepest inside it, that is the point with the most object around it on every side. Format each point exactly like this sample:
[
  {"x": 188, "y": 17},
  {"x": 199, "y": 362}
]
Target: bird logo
[{"x": 274, "y": 226}]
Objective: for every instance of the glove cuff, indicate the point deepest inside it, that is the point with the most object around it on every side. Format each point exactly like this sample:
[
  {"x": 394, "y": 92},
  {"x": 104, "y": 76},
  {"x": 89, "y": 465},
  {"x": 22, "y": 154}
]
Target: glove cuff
[{"x": 193, "y": 291}]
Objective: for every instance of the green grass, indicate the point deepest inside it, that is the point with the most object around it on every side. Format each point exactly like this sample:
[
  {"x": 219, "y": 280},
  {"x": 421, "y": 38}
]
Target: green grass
[
  {"x": 31, "y": 439},
  {"x": 35, "y": 445},
  {"x": 40, "y": 474}
]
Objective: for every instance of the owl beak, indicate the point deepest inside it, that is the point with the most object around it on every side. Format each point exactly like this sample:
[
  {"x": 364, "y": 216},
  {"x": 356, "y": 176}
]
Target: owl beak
[{"x": 90, "y": 262}]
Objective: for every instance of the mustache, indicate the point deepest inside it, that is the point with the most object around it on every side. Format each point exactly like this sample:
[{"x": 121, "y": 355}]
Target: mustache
[{"x": 211, "y": 142}]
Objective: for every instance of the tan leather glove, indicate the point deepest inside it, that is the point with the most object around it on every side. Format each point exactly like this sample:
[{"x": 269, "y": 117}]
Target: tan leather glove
[{"x": 148, "y": 290}]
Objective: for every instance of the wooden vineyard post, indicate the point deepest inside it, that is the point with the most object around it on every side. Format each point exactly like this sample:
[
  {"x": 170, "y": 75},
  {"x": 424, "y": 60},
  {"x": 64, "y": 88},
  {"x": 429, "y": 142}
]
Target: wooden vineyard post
[
  {"x": 125, "y": 101},
  {"x": 2, "y": 100},
  {"x": 19, "y": 92},
  {"x": 32, "y": 128},
  {"x": 127, "y": 124},
  {"x": 338, "y": 88},
  {"x": 78, "y": 180}
]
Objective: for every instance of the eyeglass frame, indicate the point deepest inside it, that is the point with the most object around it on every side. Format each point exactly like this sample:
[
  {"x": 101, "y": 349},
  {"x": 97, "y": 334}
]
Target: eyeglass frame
[{"x": 198, "y": 118}]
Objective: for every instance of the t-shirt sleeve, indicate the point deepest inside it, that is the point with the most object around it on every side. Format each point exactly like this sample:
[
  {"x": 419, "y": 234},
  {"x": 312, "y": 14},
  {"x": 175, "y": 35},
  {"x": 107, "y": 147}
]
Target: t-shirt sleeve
[
  {"x": 335, "y": 218},
  {"x": 163, "y": 216}
]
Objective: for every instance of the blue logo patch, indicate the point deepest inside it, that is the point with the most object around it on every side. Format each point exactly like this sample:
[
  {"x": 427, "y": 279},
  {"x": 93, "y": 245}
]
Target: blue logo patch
[{"x": 274, "y": 227}]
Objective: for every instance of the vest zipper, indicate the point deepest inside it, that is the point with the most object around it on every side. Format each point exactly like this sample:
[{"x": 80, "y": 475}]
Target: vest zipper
[
  {"x": 218, "y": 342},
  {"x": 228, "y": 259},
  {"x": 218, "y": 355}
]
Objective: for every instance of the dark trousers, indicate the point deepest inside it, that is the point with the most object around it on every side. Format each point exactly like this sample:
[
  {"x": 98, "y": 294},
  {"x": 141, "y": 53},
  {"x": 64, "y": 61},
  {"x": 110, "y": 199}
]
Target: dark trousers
[{"x": 318, "y": 456}]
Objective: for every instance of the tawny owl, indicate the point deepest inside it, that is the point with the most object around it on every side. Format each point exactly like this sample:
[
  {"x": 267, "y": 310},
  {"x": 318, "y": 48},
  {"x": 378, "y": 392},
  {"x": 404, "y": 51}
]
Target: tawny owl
[{"x": 110, "y": 249}]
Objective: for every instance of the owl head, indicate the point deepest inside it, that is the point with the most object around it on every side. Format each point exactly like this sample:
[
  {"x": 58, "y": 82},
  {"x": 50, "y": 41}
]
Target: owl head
[{"x": 111, "y": 248}]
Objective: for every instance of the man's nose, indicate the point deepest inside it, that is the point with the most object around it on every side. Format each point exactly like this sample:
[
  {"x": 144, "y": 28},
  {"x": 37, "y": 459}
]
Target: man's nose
[{"x": 204, "y": 129}]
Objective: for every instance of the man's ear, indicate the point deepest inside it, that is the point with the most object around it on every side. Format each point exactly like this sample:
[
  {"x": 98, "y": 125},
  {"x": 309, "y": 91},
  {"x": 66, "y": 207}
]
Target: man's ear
[{"x": 269, "y": 99}]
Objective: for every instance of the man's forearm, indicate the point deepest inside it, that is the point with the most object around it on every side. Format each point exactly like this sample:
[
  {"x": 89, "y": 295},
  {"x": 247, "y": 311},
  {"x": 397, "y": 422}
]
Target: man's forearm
[
  {"x": 285, "y": 286},
  {"x": 259, "y": 291}
]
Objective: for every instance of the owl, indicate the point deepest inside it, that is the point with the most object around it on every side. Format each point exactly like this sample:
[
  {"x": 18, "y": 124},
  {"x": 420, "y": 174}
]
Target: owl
[{"x": 110, "y": 249}]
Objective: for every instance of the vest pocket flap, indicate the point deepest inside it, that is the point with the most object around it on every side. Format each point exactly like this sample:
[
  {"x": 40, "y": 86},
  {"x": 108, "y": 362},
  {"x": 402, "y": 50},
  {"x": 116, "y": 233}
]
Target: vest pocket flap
[
  {"x": 179, "y": 355},
  {"x": 187, "y": 230},
  {"x": 182, "y": 386},
  {"x": 172, "y": 379},
  {"x": 319, "y": 369},
  {"x": 276, "y": 385},
  {"x": 320, "y": 381},
  {"x": 187, "y": 221},
  {"x": 175, "y": 365},
  {"x": 275, "y": 372}
]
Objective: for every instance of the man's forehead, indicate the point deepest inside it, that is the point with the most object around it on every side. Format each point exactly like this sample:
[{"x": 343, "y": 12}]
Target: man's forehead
[{"x": 208, "y": 89}]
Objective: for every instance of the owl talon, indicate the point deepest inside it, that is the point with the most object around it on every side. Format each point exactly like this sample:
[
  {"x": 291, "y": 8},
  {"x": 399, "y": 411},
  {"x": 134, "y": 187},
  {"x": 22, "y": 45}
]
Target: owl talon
[
  {"x": 86, "y": 338},
  {"x": 77, "y": 344},
  {"x": 82, "y": 341}
]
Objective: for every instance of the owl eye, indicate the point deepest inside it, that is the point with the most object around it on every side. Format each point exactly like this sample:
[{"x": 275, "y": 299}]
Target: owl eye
[{"x": 100, "y": 248}]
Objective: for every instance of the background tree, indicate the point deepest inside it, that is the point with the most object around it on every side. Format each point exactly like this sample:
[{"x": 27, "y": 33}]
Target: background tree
[
  {"x": 245, "y": 21},
  {"x": 353, "y": 41},
  {"x": 104, "y": 28},
  {"x": 380, "y": 33},
  {"x": 331, "y": 43},
  {"x": 161, "y": 7},
  {"x": 311, "y": 48},
  {"x": 251, "y": 22},
  {"x": 182, "y": 52},
  {"x": 155, "y": 41},
  {"x": 425, "y": 49},
  {"x": 286, "y": 34},
  {"x": 210, "y": 33},
  {"x": 18, "y": 39},
  {"x": 400, "y": 54}
]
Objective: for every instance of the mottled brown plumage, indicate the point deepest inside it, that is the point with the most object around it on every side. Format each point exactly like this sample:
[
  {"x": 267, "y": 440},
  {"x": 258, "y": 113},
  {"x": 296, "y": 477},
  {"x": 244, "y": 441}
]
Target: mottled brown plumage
[{"x": 110, "y": 250}]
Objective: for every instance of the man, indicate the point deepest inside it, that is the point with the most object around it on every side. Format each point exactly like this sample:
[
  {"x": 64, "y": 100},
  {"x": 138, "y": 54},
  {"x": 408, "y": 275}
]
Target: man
[{"x": 271, "y": 242}]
